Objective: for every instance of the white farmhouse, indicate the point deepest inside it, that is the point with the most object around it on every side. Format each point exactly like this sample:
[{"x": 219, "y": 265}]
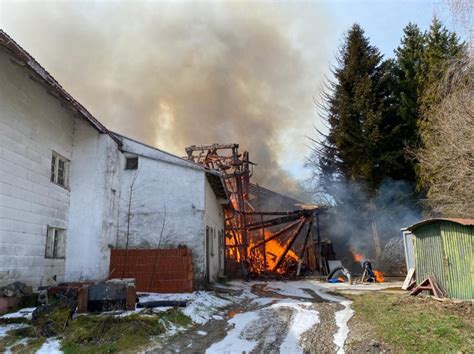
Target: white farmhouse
[
  {"x": 70, "y": 190},
  {"x": 167, "y": 201}
]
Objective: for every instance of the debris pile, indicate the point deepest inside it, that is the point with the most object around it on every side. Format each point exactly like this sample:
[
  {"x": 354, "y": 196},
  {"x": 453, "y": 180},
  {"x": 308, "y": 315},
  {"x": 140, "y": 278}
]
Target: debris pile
[{"x": 14, "y": 295}]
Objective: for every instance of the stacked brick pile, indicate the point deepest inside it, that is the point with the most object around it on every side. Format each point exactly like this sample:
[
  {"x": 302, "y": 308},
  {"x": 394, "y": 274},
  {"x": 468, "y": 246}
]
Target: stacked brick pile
[{"x": 171, "y": 269}]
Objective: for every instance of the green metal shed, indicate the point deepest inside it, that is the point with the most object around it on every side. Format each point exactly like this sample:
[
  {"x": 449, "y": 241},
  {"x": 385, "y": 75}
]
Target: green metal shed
[{"x": 444, "y": 249}]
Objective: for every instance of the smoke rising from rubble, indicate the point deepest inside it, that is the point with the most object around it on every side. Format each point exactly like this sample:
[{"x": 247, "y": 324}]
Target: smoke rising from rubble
[
  {"x": 174, "y": 75},
  {"x": 349, "y": 224}
]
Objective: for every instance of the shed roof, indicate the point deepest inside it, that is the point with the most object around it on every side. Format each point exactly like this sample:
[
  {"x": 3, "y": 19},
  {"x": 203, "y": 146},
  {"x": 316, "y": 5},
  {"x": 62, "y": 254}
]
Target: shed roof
[
  {"x": 465, "y": 222},
  {"x": 23, "y": 57}
]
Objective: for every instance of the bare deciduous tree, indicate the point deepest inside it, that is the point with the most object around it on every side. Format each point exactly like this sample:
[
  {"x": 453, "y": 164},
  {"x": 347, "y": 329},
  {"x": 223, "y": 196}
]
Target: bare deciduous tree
[{"x": 447, "y": 157}]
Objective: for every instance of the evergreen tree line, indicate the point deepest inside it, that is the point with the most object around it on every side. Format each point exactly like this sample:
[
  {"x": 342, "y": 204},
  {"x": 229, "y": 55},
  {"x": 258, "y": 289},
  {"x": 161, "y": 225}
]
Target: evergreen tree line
[{"x": 382, "y": 115}]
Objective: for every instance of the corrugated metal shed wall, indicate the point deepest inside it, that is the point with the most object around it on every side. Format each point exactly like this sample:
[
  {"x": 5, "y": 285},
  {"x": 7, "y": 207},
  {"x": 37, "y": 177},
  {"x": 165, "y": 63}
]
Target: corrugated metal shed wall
[
  {"x": 445, "y": 250},
  {"x": 429, "y": 254},
  {"x": 458, "y": 241}
]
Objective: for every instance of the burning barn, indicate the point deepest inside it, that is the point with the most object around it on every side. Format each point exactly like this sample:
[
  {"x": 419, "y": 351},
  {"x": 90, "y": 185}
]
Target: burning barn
[
  {"x": 444, "y": 249},
  {"x": 257, "y": 241}
]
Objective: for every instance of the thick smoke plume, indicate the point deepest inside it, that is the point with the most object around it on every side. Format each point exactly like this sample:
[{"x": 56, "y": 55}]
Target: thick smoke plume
[
  {"x": 174, "y": 75},
  {"x": 350, "y": 223}
]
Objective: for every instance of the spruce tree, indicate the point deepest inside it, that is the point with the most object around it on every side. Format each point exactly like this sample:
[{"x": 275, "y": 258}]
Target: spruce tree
[
  {"x": 409, "y": 60},
  {"x": 353, "y": 112}
]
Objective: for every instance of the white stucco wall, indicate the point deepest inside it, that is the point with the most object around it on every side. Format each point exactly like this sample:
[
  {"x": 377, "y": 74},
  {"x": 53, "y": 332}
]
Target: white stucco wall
[
  {"x": 214, "y": 218},
  {"x": 167, "y": 195},
  {"x": 33, "y": 123},
  {"x": 93, "y": 213}
]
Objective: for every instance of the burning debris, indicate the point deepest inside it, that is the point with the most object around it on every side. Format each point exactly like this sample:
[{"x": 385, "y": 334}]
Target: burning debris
[
  {"x": 258, "y": 242},
  {"x": 368, "y": 273}
]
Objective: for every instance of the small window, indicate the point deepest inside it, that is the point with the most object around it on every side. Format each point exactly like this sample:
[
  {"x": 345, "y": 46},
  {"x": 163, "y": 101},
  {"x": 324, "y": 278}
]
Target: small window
[
  {"x": 59, "y": 170},
  {"x": 131, "y": 163},
  {"x": 55, "y": 243}
]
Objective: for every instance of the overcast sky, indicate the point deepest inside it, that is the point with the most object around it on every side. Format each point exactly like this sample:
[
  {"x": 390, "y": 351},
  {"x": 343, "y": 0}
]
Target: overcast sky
[{"x": 187, "y": 73}]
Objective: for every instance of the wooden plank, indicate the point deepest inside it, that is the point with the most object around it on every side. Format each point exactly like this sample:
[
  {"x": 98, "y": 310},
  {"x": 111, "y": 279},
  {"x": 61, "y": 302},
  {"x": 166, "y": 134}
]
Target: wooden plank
[{"x": 409, "y": 278}]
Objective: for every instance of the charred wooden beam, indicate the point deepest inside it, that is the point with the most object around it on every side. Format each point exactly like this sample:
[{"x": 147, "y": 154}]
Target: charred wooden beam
[
  {"x": 308, "y": 233},
  {"x": 278, "y": 221},
  {"x": 275, "y": 235},
  {"x": 270, "y": 213},
  {"x": 282, "y": 256}
]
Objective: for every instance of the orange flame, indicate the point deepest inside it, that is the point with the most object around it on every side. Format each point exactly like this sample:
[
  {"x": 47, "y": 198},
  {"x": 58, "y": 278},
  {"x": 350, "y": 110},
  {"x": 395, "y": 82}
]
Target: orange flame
[
  {"x": 379, "y": 276},
  {"x": 358, "y": 257},
  {"x": 264, "y": 257}
]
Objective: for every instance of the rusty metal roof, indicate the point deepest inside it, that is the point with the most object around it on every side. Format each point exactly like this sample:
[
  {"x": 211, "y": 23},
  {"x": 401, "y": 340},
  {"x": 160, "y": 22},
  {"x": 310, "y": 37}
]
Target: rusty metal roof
[
  {"x": 461, "y": 221},
  {"x": 55, "y": 88}
]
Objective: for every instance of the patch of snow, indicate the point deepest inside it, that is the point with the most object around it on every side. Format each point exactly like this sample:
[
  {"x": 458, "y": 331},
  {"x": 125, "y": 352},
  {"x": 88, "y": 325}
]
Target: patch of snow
[
  {"x": 263, "y": 301},
  {"x": 234, "y": 342},
  {"x": 246, "y": 288},
  {"x": 51, "y": 346},
  {"x": 201, "y": 307},
  {"x": 172, "y": 330},
  {"x": 342, "y": 317},
  {"x": 145, "y": 297},
  {"x": 11, "y": 326},
  {"x": 302, "y": 320},
  {"x": 23, "y": 313},
  {"x": 202, "y": 333},
  {"x": 293, "y": 288},
  {"x": 361, "y": 287},
  {"x": 204, "y": 306}
]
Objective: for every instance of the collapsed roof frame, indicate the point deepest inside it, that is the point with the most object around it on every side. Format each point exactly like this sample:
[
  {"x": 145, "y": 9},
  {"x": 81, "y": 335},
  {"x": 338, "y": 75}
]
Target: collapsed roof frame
[{"x": 247, "y": 230}]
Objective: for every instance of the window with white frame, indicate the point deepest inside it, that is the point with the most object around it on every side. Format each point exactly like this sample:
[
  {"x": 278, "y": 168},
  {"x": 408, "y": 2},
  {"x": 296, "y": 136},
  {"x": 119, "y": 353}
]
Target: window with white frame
[
  {"x": 59, "y": 170},
  {"x": 55, "y": 243}
]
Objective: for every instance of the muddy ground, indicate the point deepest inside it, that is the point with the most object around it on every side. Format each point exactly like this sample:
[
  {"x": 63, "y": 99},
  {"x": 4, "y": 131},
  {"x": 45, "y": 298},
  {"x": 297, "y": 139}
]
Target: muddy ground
[{"x": 273, "y": 326}]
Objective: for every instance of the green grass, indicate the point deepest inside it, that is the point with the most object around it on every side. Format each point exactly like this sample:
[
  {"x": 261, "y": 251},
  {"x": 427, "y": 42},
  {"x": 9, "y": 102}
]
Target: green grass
[
  {"x": 110, "y": 334},
  {"x": 12, "y": 339},
  {"x": 414, "y": 324},
  {"x": 95, "y": 333}
]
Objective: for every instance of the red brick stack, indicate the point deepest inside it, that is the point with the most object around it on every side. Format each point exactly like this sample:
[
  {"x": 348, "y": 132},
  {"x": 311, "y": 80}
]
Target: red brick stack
[{"x": 171, "y": 269}]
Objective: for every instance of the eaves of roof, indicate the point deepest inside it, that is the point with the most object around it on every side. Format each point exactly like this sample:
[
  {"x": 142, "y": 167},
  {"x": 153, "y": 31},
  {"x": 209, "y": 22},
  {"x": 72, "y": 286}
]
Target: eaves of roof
[
  {"x": 461, "y": 221},
  {"x": 54, "y": 88}
]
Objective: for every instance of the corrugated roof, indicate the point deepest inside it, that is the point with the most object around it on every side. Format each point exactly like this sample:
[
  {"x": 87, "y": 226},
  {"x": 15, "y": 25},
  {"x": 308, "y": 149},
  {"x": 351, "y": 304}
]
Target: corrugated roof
[
  {"x": 461, "y": 221},
  {"x": 56, "y": 89}
]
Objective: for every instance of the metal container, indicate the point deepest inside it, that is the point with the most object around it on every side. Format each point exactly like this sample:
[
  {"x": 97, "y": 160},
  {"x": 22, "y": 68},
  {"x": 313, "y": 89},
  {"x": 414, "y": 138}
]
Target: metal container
[{"x": 444, "y": 249}]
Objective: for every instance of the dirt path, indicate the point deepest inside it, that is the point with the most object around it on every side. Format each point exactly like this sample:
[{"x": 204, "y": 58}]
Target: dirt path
[{"x": 268, "y": 321}]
